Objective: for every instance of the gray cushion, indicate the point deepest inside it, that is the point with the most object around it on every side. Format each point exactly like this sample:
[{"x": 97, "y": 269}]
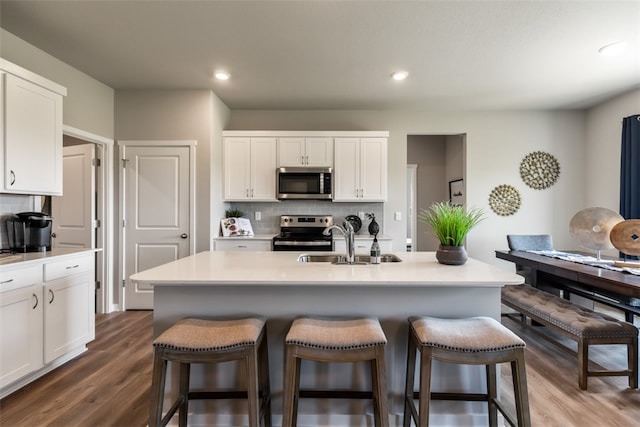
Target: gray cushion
[
  {"x": 192, "y": 334},
  {"x": 530, "y": 242},
  {"x": 336, "y": 334},
  {"x": 473, "y": 334}
]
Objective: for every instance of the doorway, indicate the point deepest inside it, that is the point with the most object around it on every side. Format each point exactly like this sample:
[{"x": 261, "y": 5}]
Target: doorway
[
  {"x": 96, "y": 208},
  {"x": 440, "y": 158}
]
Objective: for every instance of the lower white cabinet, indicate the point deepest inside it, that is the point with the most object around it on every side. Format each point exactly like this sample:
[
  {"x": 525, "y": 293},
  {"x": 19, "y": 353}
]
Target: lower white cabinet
[
  {"x": 20, "y": 331},
  {"x": 242, "y": 245},
  {"x": 362, "y": 245},
  {"x": 47, "y": 317}
]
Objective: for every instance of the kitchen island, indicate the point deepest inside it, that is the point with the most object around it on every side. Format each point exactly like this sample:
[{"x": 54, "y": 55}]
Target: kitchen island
[{"x": 275, "y": 285}]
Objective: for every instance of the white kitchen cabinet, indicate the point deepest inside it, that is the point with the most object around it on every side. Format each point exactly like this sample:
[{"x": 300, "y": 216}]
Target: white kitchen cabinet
[
  {"x": 244, "y": 244},
  {"x": 69, "y": 320},
  {"x": 250, "y": 169},
  {"x": 21, "y": 327},
  {"x": 360, "y": 173},
  {"x": 305, "y": 152},
  {"x": 32, "y": 132},
  {"x": 362, "y": 245}
]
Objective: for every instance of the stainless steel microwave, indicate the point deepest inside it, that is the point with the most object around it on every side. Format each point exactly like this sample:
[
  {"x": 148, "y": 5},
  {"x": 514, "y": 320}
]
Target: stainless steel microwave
[{"x": 304, "y": 183}]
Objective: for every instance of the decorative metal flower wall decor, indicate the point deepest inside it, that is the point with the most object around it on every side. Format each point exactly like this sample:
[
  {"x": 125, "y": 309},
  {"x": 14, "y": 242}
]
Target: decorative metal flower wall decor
[
  {"x": 504, "y": 200},
  {"x": 539, "y": 170}
]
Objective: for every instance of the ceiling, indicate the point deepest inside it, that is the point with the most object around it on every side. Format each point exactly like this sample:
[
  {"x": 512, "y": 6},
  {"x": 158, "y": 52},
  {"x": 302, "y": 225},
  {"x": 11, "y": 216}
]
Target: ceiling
[{"x": 340, "y": 54}]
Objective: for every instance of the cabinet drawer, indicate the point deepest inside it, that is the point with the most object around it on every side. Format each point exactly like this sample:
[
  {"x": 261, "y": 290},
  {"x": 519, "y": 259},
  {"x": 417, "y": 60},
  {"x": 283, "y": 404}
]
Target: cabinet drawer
[
  {"x": 20, "y": 277},
  {"x": 67, "y": 267},
  {"x": 242, "y": 245}
]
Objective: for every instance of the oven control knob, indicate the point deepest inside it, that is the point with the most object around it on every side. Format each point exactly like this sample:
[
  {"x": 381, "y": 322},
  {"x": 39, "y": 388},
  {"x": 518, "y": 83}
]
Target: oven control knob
[{"x": 286, "y": 220}]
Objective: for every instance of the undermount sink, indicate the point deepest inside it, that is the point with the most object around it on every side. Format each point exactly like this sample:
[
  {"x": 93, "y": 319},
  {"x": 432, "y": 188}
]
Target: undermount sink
[{"x": 342, "y": 260}]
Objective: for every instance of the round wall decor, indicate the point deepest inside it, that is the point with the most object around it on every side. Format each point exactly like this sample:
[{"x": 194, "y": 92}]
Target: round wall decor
[
  {"x": 539, "y": 170},
  {"x": 504, "y": 200}
]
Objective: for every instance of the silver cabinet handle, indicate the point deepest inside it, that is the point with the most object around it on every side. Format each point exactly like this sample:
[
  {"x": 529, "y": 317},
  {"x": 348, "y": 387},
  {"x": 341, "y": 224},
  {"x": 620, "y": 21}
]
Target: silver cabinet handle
[
  {"x": 307, "y": 161},
  {"x": 53, "y": 296},
  {"x": 13, "y": 177},
  {"x": 36, "y": 304},
  {"x": 184, "y": 235},
  {"x": 302, "y": 160},
  {"x": 71, "y": 267},
  {"x": 4, "y": 282}
]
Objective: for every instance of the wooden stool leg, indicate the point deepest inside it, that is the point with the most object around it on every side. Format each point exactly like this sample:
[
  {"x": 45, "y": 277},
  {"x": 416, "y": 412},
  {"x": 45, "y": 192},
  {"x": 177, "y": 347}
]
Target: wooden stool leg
[
  {"x": 583, "y": 364},
  {"x": 425, "y": 385},
  {"x": 157, "y": 388},
  {"x": 379, "y": 382},
  {"x": 632, "y": 362},
  {"x": 519, "y": 373},
  {"x": 409, "y": 382},
  {"x": 253, "y": 387},
  {"x": 264, "y": 380},
  {"x": 291, "y": 388},
  {"x": 492, "y": 394},
  {"x": 185, "y": 371}
]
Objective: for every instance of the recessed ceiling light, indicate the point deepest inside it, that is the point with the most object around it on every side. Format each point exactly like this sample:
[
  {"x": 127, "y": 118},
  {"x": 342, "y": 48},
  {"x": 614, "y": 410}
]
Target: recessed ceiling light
[
  {"x": 399, "y": 75},
  {"x": 613, "y": 49},
  {"x": 222, "y": 75}
]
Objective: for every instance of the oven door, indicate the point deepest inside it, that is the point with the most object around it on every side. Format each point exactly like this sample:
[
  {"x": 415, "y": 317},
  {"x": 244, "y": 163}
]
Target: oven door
[{"x": 302, "y": 245}]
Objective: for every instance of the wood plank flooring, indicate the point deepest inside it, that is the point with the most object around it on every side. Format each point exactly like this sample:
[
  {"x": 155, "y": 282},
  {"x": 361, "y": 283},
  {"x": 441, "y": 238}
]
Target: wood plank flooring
[{"x": 109, "y": 384}]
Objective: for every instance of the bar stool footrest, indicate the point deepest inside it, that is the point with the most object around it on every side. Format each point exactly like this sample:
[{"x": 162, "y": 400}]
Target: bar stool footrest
[{"x": 335, "y": 394}]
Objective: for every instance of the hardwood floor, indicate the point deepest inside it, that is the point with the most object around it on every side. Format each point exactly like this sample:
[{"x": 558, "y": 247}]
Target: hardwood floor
[{"x": 109, "y": 384}]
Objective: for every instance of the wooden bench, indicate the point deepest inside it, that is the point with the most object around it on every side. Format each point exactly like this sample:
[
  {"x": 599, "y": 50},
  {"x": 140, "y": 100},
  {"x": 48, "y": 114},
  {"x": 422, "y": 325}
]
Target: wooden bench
[{"x": 580, "y": 324}]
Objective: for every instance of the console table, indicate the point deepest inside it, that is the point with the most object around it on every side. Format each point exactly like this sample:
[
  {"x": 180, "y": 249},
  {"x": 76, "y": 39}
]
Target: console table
[{"x": 613, "y": 288}]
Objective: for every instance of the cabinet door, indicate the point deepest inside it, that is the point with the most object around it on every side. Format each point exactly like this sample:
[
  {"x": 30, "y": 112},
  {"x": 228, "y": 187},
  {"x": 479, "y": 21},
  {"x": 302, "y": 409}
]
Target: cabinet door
[
  {"x": 237, "y": 168},
  {"x": 263, "y": 169},
  {"x": 32, "y": 138},
  {"x": 347, "y": 170},
  {"x": 67, "y": 314},
  {"x": 373, "y": 169},
  {"x": 291, "y": 152},
  {"x": 319, "y": 152},
  {"x": 20, "y": 333}
]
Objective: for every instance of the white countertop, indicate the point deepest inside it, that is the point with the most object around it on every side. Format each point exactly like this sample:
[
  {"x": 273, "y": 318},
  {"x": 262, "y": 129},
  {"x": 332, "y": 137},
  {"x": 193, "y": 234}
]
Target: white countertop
[
  {"x": 8, "y": 261},
  {"x": 281, "y": 268}
]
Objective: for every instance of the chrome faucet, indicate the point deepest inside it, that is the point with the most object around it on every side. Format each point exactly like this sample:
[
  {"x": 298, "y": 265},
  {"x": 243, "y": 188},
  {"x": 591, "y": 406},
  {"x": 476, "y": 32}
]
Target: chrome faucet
[{"x": 348, "y": 233}]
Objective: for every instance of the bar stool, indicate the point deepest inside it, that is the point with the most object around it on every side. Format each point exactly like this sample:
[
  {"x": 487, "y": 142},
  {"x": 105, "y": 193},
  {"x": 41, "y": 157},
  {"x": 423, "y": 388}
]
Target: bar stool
[
  {"x": 193, "y": 340},
  {"x": 335, "y": 340},
  {"x": 472, "y": 341}
]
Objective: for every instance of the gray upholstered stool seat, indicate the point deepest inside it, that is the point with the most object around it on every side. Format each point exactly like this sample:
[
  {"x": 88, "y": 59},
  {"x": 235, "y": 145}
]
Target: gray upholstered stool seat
[
  {"x": 474, "y": 341},
  {"x": 335, "y": 340},
  {"x": 212, "y": 341}
]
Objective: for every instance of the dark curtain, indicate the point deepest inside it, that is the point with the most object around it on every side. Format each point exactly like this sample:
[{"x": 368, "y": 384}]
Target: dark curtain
[{"x": 630, "y": 168}]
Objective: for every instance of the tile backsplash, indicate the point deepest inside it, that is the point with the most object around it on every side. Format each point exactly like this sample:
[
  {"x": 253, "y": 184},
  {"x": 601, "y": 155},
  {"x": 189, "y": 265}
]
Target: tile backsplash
[
  {"x": 10, "y": 204},
  {"x": 270, "y": 212}
]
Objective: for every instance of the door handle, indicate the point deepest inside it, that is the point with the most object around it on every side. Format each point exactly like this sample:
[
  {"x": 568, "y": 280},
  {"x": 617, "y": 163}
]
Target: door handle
[
  {"x": 53, "y": 235},
  {"x": 184, "y": 235},
  {"x": 53, "y": 296},
  {"x": 13, "y": 177},
  {"x": 36, "y": 304}
]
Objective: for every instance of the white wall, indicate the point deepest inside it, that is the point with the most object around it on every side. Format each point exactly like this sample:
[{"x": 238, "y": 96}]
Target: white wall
[
  {"x": 176, "y": 115},
  {"x": 496, "y": 143},
  {"x": 89, "y": 104},
  {"x": 603, "y": 142}
]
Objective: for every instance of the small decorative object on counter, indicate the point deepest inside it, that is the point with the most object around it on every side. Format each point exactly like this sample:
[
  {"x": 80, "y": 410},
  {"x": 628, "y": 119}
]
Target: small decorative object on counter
[
  {"x": 375, "y": 251},
  {"x": 374, "y": 228}
]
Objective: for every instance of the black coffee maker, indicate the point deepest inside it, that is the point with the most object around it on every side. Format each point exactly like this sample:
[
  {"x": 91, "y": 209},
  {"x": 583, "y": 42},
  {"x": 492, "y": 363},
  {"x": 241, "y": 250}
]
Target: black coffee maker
[{"x": 29, "y": 232}]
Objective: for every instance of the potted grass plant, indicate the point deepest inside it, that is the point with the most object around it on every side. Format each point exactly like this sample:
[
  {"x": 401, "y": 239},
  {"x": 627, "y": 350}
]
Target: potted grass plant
[{"x": 450, "y": 224}]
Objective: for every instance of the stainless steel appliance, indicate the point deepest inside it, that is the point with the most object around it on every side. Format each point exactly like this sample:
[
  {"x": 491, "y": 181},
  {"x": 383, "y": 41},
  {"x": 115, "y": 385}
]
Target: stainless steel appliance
[
  {"x": 29, "y": 232},
  {"x": 304, "y": 183},
  {"x": 303, "y": 234}
]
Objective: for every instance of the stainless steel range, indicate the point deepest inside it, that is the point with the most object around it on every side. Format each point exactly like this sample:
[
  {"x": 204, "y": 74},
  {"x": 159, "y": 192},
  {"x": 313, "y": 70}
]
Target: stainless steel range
[{"x": 303, "y": 233}]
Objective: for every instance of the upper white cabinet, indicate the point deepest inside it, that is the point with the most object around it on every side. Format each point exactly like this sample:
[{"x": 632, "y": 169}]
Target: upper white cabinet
[
  {"x": 360, "y": 172},
  {"x": 31, "y": 137},
  {"x": 250, "y": 169},
  {"x": 311, "y": 152}
]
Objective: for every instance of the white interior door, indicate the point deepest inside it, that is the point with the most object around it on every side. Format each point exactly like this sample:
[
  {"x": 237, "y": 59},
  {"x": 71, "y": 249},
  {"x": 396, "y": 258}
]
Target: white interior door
[
  {"x": 73, "y": 213},
  {"x": 157, "y": 213}
]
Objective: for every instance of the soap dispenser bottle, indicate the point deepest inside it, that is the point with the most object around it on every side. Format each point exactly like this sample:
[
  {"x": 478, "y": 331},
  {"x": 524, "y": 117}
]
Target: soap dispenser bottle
[{"x": 375, "y": 251}]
